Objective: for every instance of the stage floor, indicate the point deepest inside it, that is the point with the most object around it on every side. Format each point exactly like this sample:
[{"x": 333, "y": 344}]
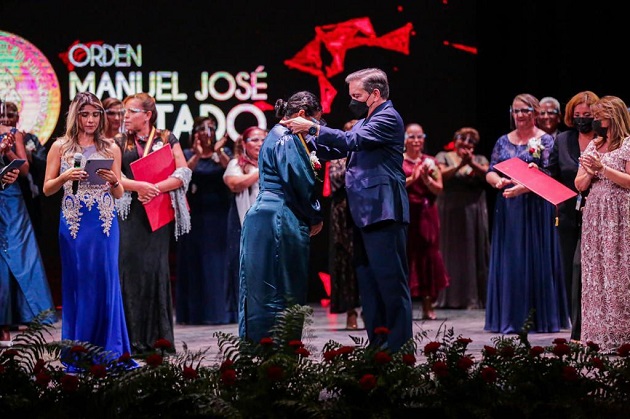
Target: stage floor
[{"x": 327, "y": 326}]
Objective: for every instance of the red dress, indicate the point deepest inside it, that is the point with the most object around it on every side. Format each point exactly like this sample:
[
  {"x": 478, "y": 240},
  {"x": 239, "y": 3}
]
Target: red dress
[{"x": 427, "y": 274}]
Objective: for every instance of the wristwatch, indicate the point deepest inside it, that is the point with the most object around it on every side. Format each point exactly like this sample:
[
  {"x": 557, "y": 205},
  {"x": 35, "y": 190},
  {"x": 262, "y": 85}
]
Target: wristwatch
[{"x": 313, "y": 129}]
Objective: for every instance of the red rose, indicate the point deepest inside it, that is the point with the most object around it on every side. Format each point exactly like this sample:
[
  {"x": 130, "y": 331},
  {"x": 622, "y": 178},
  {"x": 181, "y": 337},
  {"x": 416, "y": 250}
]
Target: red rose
[
  {"x": 190, "y": 373},
  {"x": 225, "y": 365},
  {"x": 42, "y": 378},
  {"x": 570, "y": 373},
  {"x": 296, "y": 343},
  {"x": 561, "y": 349},
  {"x": 266, "y": 341},
  {"x": 624, "y": 350},
  {"x": 162, "y": 344},
  {"x": 409, "y": 359},
  {"x": 489, "y": 351},
  {"x": 317, "y": 165},
  {"x": 558, "y": 341},
  {"x": 330, "y": 355},
  {"x": 228, "y": 377},
  {"x": 465, "y": 362},
  {"x": 39, "y": 365},
  {"x": 592, "y": 346},
  {"x": 464, "y": 341},
  {"x": 431, "y": 348},
  {"x": 154, "y": 360},
  {"x": 69, "y": 383},
  {"x": 440, "y": 369},
  {"x": 536, "y": 351},
  {"x": 489, "y": 374},
  {"x": 99, "y": 371},
  {"x": 367, "y": 382},
  {"x": 507, "y": 351},
  {"x": 382, "y": 358},
  {"x": 345, "y": 350},
  {"x": 598, "y": 363},
  {"x": 302, "y": 352}
]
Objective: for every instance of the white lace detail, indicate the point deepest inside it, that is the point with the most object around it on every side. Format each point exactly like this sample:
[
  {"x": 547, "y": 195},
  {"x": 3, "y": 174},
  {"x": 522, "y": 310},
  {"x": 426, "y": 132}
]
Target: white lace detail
[{"x": 90, "y": 195}]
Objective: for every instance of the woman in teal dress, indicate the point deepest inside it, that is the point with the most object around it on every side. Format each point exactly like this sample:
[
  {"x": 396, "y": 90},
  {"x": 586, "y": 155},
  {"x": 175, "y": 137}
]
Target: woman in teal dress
[
  {"x": 88, "y": 231},
  {"x": 275, "y": 239},
  {"x": 24, "y": 290}
]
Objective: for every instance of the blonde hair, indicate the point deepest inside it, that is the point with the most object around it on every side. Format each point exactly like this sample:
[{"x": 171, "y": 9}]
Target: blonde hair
[{"x": 613, "y": 108}]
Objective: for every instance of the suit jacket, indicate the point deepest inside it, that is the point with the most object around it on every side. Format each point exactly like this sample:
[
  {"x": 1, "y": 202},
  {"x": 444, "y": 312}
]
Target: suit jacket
[{"x": 375, "y": 181}]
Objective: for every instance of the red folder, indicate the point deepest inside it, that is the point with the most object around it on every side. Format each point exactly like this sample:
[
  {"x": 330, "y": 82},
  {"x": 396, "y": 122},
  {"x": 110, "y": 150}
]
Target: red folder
[
  {"x": 153, "y": 168},
  {"x": 535, "y": 180}
]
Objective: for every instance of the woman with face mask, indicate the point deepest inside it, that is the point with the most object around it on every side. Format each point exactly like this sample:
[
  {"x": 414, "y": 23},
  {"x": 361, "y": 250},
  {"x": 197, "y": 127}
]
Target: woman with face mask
[
  {"x": 605, "y": 169},
  {"x": 567, "y": 148}
]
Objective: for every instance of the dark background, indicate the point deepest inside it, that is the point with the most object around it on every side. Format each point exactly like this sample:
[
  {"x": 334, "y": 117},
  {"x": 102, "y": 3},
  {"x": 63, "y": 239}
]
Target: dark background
[{"x": 546, "y": 48}]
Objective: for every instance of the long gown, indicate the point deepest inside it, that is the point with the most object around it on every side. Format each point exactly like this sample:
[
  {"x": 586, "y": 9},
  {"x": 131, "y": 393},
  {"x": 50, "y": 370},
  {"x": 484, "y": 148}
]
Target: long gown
[
  {"x": 202, "y": 285},
  {"x": 275, "y": 239},
  {"x": 464, "y": 236},
  {"x": 427, "y": 274},
  {"x": 88, "y": 241},
  {"x": 24, "y": 289},
  {"x": 144, "y": 270},
  {"x": 344, "y": 287},
  {"x": 606, "y": 257},
  {"x": 525, "y": 270}
]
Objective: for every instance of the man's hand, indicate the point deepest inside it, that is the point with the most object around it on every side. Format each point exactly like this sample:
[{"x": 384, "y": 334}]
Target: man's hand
[
  {"x": 297, "y": 125},
  {"x": 316, "y": 228}
]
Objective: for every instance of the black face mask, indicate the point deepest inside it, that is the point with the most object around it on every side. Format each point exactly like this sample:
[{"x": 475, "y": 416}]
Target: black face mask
[
  {"x": 599, "y": 130},
  {"x": 358, "y": 109},
  {"x": 583, "y": 125}
]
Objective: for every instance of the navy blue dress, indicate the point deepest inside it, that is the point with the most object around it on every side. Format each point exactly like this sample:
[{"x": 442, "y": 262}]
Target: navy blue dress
[
  {"x": 275, "y": 239},
  {"x": 525, "y": 271},
  {"x": 203, "y": 291}
]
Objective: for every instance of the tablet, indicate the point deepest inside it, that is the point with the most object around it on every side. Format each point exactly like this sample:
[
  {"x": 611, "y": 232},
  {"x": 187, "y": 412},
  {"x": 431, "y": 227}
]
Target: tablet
[
  {"x": 14, "y": 164},
  {"x": 91, "y": 166}
]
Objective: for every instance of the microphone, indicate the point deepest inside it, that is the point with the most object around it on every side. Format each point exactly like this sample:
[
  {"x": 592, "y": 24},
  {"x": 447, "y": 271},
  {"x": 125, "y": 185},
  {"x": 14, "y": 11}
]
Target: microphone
[{"x": 77, "y": 163}]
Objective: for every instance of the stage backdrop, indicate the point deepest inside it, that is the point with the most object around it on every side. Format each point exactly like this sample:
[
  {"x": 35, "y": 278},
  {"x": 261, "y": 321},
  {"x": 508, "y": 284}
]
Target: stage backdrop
[{"x": 233, "y": 60}]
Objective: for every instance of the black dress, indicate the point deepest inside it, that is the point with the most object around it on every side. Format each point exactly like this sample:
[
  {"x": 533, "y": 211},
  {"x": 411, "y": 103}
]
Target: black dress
[{"x": 144, "y": 270}]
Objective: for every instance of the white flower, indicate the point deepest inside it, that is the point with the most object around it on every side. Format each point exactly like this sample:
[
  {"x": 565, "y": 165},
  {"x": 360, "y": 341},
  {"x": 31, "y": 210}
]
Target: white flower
[
  {"x": 429, "y": 163},
  {"x": 535, "y": 147},
  {"x": 315, "y": 161},
  {"x": 158, "y": 145}
]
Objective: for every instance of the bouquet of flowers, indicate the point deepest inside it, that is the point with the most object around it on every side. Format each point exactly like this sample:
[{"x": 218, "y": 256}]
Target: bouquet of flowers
[{"x": 535, "y": 147}]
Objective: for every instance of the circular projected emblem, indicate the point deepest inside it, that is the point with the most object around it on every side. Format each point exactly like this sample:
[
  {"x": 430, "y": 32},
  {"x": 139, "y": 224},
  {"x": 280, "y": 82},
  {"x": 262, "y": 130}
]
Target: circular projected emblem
[{"x": 28, "y": 80}]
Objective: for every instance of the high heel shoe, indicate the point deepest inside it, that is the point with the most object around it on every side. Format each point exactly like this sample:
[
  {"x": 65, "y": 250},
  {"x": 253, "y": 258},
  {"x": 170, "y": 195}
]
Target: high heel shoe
[
  {"x": 351, "y": 320},
  {"x": 427, "y": 309}
]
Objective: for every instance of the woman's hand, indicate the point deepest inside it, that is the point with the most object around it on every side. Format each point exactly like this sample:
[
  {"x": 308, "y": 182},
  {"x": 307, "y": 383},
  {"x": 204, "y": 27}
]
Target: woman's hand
[
  {"x": 10, "y": 177},
  {"x": 75, "y": 174},
  {"x": 108, "y": 175},
  {"x": 592, "y": 164},
  {"x": 515, "y": 191},
  {"x": 316, "y": 228},
  {"x": 503, "y": 182},
  {"x": 147, "y": 191}
]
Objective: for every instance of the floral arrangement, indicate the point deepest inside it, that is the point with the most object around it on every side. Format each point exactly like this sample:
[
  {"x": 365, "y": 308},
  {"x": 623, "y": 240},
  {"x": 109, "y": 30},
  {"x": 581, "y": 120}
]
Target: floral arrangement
[
  {"x": 535, "y": 147},
  {"x": 282, "y": 377}
]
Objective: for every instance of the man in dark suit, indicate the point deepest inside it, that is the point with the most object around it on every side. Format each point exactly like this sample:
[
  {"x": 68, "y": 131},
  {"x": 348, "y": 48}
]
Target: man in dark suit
[{"x": 378, "y": 202}]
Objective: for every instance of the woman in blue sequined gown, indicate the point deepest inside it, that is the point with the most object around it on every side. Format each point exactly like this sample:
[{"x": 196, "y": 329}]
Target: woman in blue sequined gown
[
  {"x": 525, "y": 272},
  {"x": 24, "y": 290},
  {"x": 88, "y": 231},
  {"x": 275, "y": 239}
]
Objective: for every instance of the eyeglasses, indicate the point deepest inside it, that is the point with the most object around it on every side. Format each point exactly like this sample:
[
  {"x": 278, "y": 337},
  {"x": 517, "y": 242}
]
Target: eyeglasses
[
  {"x": 467, "y": 139},
  {"x": 202, "y": 128},
  {"x": 135, "y": 110},
  {"x": 253, "y": 140},
  {"x": 524, "y": 111},
  {"x": 85, "y": 114},
  {"x": 550, "y": 113},
  {"x": 416, "y": 136},
  {"x": 114, "y": 112}
]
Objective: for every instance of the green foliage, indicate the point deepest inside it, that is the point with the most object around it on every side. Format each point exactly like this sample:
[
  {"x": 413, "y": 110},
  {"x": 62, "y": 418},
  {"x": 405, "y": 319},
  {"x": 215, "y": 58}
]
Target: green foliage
[{"x": 282, "y": 377}]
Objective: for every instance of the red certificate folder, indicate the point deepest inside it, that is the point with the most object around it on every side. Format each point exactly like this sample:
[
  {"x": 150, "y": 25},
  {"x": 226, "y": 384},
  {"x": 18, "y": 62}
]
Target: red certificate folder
[
  {"x": 535, "y": 180},
  {"x": 153, "y": 168}
]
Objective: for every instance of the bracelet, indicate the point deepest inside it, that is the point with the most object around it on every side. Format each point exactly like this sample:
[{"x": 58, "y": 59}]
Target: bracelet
[
  {"x": 603, "y": 171},
  {"x": 115, "y": 185}
]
